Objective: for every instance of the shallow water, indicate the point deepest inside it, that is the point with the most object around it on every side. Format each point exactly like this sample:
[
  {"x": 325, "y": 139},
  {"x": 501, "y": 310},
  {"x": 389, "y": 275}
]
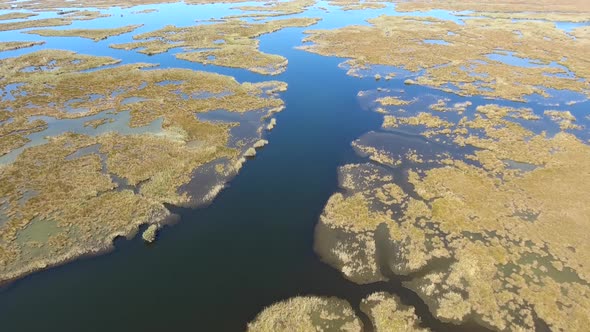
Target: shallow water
[
  {"x": 119, "y": 123},
  {"x": 220, "y": 265}
]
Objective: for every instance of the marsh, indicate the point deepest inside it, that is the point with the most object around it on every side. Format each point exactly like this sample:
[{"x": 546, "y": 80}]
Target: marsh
[{"x": 294, "y": 165}]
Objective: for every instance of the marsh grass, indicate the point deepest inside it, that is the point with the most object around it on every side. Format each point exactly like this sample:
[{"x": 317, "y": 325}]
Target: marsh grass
[
  {"x": 275, "y": 8},
  {"x": 149, "y": 235},
  {"x": 123, "y": 183},
  {"x": 94, "y": 34},
  {"x": 543, "y": 9},
  {"x": 388, "y": 314},
  {"x": 481, "y": 215},
  {"x": 66, "y": 19},
  {"x": 461, "y": 65},
  {"x": 239, "y": 48},
  {"x": 10, "y": 46},
  {"x": 357, "y": 5},
  {"x": 97, "y": 123},
  {"x": 58, "y": 5},
  {"x": 126, "y": 88},
  {"x": 304, "y": 314},
  {"x": 16, "y": 16},
  {"x": 565, "y": 119}
]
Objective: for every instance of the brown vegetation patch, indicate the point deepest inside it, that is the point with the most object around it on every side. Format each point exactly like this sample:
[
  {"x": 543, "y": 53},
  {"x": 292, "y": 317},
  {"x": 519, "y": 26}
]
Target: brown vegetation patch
[
  {"x": 11, "y": 46},
  {"x": 305, "y": 314},
  {"x": 526, "y": 8},
  {"x": 94, "y": 34},
  {"x": 461, "y": 63},
  {"x": 66, "y": 19},
  {"x": 79, "y": 191},
  {"x": 500, "y": 244},
  {"x": 231, "y": 43},
  {"x": 16, "y": 16},
  {"x": 388, "y": 314},
  {"x": 103, "y": 4},
  {"x": 275, "y": 8}
]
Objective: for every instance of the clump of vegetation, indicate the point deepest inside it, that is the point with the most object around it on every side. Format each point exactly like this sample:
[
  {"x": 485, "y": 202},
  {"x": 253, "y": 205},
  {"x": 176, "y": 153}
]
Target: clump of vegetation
[
  {"x": 251, "y": 152},
  {"x": 97, "y": 122},
  {"x": 271, "y": 125},
  {"x": 303, "y": 314},
  {"x": 392, "y": 101},
  {"x": 149, "y": 235},
  {"x": 494, "y": 111},
  {"x": 10, "y": 46},
  {"x": 260, "y": 143},
  {"x": 274, "y": 8},
  {"x": 427, "y": 120},
  {"x": 94, "y": 34},
  {"x": 16, "y": 16},
  {"x": 565, "y": 119},
  {"x": 357, "y": 5},
  {"x": 377, "y": 155},
  {"x": 388, "y": 314},
  {"x": 441, "y": 106},
  {"x": 66, "y": 19}
]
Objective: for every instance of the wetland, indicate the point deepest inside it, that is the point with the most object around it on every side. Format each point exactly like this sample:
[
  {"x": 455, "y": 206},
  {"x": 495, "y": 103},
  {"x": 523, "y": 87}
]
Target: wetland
[{"x": 294, "y": 166}]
